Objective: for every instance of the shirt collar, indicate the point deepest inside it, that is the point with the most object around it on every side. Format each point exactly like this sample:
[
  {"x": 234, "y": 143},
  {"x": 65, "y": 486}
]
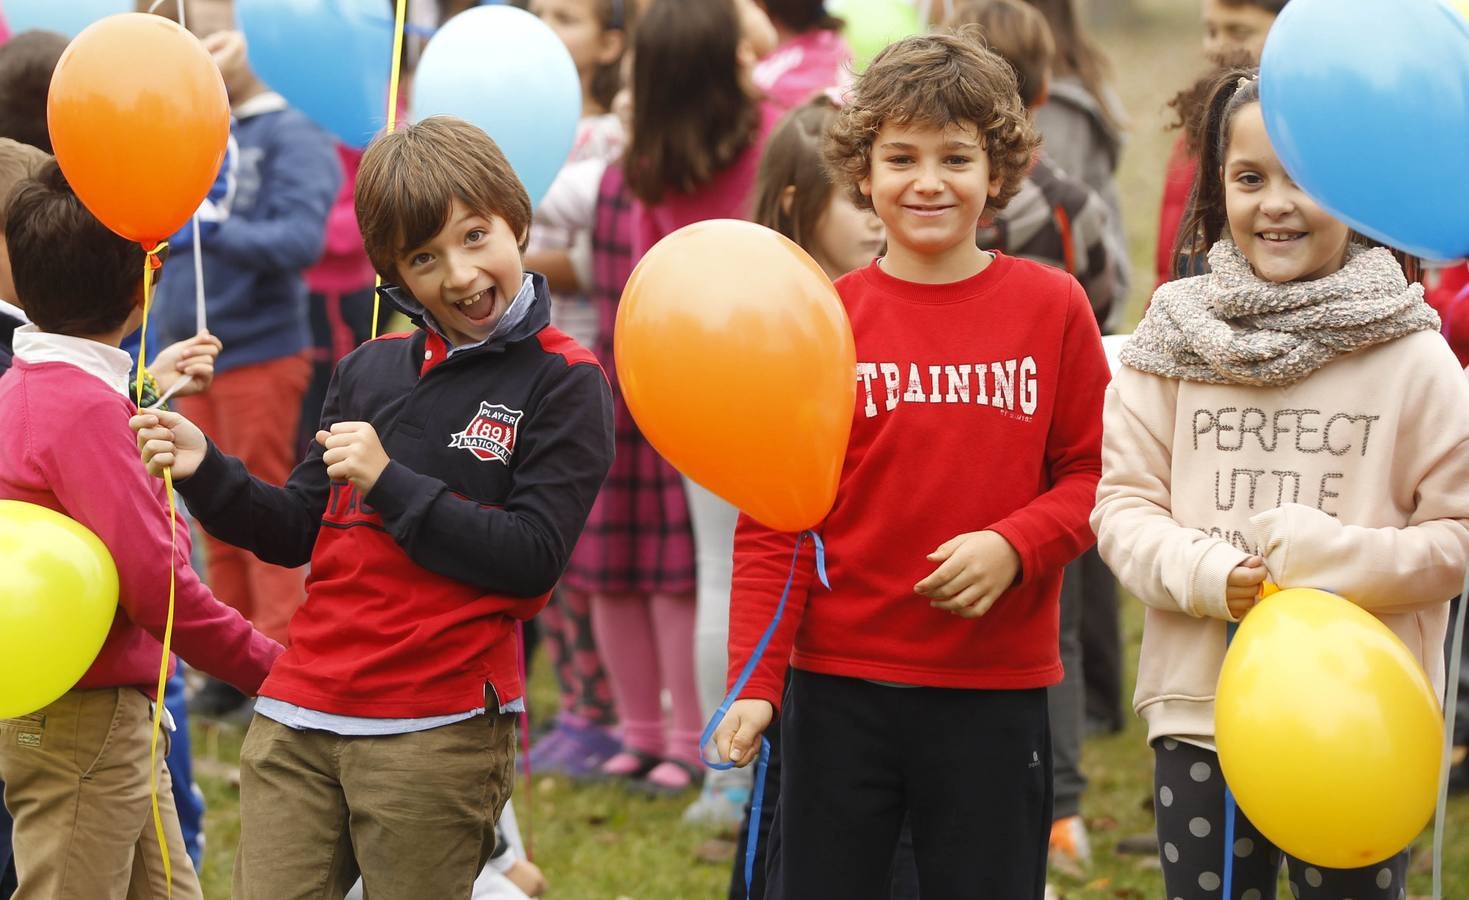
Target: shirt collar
[
  {"x": 14, "y": 312},
  {"x": 258, "y": 105},
  {"x": 515, "y": 313},
  {"x": 110, "y": 364}
]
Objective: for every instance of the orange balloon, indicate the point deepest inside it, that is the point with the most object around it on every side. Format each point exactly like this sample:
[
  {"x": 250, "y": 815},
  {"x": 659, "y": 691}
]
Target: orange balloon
[
  {"x": 736, "y": 359},
  {"x": 139, "y": 121}
]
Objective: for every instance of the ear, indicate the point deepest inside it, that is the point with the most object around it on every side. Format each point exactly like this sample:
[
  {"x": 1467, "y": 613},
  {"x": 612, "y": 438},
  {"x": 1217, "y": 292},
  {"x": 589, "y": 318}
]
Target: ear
[
  {"x": 610, "y": 46},
  {"x": 996, "y": 183},
  {"x": 1042, "y": 94},
  {"x": 864, "y": 186},
  {"x": 137, "y": 297},
  {"x": 787, "y": 199}
]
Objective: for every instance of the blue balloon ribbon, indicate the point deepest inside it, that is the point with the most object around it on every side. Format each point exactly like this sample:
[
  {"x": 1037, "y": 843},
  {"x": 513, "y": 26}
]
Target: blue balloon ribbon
[{"x": 757, "y": 797}]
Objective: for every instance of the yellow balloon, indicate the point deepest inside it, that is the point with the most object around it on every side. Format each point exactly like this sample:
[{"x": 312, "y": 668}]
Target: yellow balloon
[
  {"x": 1329, "y": 732},
  {"x": 58, "y": 597}
]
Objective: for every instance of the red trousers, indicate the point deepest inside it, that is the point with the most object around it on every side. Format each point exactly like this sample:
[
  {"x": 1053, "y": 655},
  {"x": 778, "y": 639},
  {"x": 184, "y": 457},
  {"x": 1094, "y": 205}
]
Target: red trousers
[{"x": 252, "y": 414}]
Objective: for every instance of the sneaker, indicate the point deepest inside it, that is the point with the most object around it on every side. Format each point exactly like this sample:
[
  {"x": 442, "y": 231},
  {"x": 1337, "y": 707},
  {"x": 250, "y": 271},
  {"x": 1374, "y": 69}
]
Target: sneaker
[
  {"x": 1070, "y": 851},
  {"x": 576, "y": 751},
  {"x": 721, "y": 807}
]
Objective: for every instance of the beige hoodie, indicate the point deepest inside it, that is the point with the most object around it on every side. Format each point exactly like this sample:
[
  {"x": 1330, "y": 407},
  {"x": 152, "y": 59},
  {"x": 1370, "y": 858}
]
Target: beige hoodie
[{"x": 1354, "y": 479}]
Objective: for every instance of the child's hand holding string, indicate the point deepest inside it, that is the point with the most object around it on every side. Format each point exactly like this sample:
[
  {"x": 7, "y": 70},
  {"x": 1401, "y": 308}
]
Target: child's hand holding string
[
  {"x": 975, "y": 569},
  {"x": 168, "y": 439},
  {"x": 1242, "y": 588},
  {"x": 192, "y": 359},
  {"x": 737, "y": 739}
]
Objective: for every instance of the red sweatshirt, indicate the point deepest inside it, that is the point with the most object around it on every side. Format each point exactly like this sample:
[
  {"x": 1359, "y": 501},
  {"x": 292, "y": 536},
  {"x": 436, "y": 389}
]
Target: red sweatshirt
[
  {"x": 66, "y": 446},
  {"x": 979, "y": 406},
  {"x": 1178, "y": 181}
]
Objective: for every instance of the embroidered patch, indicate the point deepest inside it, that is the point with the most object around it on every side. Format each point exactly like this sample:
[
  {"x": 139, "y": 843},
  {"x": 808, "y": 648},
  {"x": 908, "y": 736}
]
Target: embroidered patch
[
  {"x": 28, "y": 739},
  {"x": 490, "y": 434}
]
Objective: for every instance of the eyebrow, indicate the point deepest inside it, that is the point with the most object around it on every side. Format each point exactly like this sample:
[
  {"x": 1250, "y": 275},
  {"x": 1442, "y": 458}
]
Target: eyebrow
[{"x": 951, "y": 145}]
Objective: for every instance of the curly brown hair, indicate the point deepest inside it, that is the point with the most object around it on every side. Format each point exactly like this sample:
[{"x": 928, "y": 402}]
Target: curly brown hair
[{"x": 934, "y": 80}]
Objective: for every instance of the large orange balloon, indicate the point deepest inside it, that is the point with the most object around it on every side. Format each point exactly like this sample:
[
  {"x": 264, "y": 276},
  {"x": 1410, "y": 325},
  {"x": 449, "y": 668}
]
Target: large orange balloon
[
  {"x": 736, "y": 358},
  {"x": 1328, "y": 730},
  {"x": 139, "y": 120}
]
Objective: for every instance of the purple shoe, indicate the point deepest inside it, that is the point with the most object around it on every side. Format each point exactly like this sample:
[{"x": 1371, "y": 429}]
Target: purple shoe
[{"x": 574, "y": 750}]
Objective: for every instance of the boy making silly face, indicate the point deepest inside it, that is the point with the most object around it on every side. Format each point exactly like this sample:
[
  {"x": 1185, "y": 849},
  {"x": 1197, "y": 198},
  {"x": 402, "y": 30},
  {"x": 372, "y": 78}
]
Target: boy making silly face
[{"x": 466, "y": 275}]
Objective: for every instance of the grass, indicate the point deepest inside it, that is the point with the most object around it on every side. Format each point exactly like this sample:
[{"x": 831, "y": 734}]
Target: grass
[{"x": 598, "y": 843}]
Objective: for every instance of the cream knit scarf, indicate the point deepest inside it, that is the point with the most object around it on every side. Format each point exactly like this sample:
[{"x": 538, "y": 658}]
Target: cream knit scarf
[{"x": 1232, "y": 327}]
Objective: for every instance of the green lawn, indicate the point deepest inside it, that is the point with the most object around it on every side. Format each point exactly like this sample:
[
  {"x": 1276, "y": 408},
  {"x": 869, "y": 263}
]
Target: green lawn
[{"x": 597, "y": 843}]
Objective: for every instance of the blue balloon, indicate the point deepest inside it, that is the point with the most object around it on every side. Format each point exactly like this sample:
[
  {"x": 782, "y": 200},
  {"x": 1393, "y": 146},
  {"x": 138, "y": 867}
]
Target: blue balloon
[
  {"x": 66, "y": 16},
  {"x": 505, "y": 70},
  {"x": 329, "y": 58},
  {"x": 1367, "y": 105}
]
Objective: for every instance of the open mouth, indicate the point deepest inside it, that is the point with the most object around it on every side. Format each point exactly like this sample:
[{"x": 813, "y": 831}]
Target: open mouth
[
  {"x": 1280, "y": 237},
  {"x": 478, "y": 307}
]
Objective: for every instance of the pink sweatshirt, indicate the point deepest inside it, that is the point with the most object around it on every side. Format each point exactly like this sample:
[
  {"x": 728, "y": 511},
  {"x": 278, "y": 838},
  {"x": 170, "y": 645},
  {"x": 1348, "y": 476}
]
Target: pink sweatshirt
[
  {"x": 66, "y": 446},
  {"x": 726, "y": 196},
  {"x": 803, "y": 67},
  {"x": 344, "y": 266}
]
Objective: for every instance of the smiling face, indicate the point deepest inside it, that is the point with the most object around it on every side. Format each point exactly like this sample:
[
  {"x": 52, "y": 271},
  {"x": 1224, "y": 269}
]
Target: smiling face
[
  {"x": 929, "y": 187},
  {"x": 1284, "y": 234},
  {"x": 466, "y": 275}
]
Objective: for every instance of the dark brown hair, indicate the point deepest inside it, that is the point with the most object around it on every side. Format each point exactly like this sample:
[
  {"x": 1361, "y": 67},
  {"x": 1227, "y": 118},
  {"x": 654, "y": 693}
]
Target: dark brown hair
[
  {"x": 1077, "y": 56},
  {"x": 793, "y": 160},
  {"x": 409, "y": 178},
  {"x": 73, "y": 275},
  {"x": 1019, "y": 34},
  {"x": 18, "y": 162},
  {"x": 691, "y": 113},
  {"x": 801, "y": 16},
  {"x": 1206, "y": 218},
  {"x": 27, "y": 62},
  {"x": 613, "y": 15},
  {"x": 935, "y": 80}
]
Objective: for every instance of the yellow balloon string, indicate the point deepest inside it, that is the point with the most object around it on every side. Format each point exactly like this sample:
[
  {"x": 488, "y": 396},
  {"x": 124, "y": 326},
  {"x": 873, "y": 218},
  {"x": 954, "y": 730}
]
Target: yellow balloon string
[
  {"x": 150, "y": 262},
  {"x": 398, "y": 18},
  {"x": 173, "y": 538}
]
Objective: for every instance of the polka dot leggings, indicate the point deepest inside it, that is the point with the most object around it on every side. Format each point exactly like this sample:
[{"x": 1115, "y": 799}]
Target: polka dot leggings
[{"x": 1189, "y": 799}]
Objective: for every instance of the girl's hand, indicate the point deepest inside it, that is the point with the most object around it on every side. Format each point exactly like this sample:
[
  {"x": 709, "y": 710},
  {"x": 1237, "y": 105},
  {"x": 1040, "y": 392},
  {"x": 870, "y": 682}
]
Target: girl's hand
[
  {"x": 168, "y": 439},
  {"x": 738, "y": 736},
  {"x": 1242, "y": 588},
  {"x": 527, "y": 876},
  {"x": 975, "y": 569},
  {"x": 193, "y": 358}
]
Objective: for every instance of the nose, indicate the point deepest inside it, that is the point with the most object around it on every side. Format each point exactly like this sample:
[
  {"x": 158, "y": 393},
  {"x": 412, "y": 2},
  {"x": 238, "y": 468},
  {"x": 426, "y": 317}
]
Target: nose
[
  {"x": 1278, "y": 201},
  {"x": 929, "y": 180},
  {"x": 460, "y": 274}
]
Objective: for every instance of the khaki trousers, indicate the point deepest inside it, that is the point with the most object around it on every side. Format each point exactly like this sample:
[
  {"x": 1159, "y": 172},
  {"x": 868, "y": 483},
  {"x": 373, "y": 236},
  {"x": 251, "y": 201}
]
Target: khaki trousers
[
  {"x": 414, "y": 814},
  {"x": 76, "y": 781}
]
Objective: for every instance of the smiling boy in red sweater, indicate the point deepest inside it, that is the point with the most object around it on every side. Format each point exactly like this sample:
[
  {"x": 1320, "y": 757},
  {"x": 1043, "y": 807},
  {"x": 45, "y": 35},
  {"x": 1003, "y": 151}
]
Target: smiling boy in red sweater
[{"x": 918, "y": 684}]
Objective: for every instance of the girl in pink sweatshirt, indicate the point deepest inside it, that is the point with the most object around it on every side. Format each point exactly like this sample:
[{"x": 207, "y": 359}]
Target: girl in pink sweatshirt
[{"x": 1258, "y": 430}]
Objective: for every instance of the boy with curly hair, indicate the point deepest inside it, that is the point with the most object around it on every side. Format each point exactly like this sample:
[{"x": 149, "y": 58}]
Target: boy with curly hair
[{"x": 918, "y": 684}]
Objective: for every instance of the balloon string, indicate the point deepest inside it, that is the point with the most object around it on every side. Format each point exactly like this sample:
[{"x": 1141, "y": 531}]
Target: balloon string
[
  {"x": 757, "y": 798},
  {"x": 1229, "y": 804},
  {"x": 173, "y": 537},
  {"x": 1451, "y": 702},
  {"x": 399, "y": 16},
  {"x": 151, "y": 262}
]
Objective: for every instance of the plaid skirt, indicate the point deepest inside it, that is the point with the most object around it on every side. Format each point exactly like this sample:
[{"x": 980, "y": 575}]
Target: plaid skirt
[{"x": 638, "y": 538}]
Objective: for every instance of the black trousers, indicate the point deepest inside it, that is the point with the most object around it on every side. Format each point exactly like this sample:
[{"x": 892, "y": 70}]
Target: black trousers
[{"x": 970, "y": 769}]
